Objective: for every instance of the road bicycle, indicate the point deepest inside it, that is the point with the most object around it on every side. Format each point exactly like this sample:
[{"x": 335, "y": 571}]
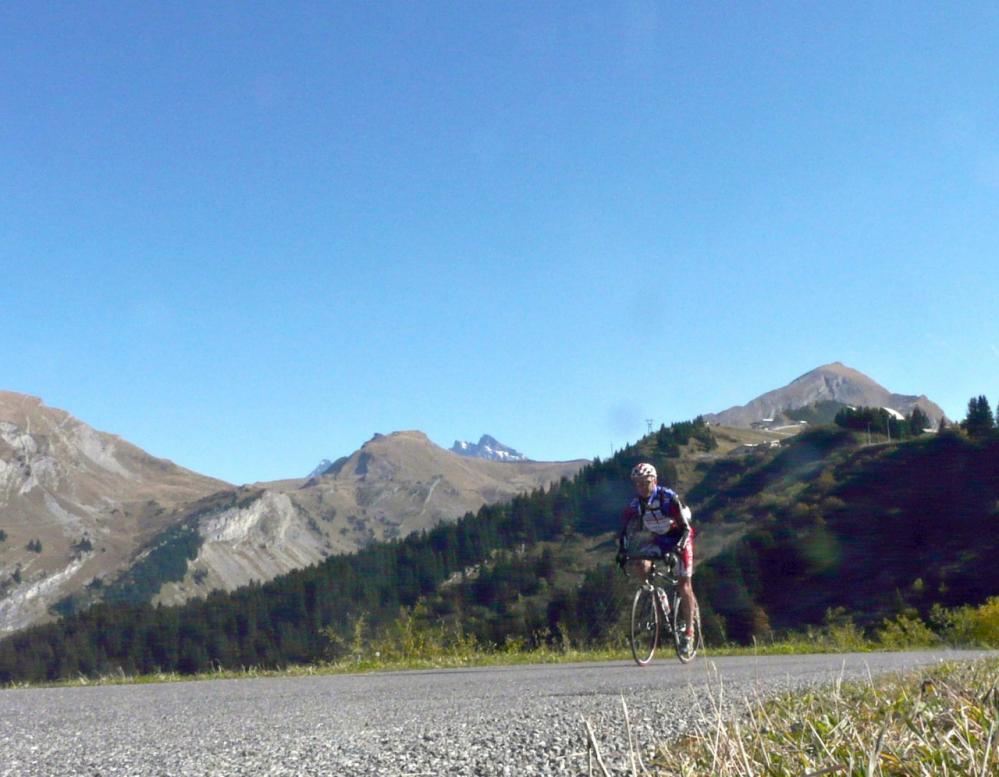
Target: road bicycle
[{"x": 655, "y": 612}]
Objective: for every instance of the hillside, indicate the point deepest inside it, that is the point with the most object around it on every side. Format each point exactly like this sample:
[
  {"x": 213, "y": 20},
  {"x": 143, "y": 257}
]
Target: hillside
[
  {"x": 870, "y": 528},
  {"x": 392, "y": 486},
  {"x": 831, "y": 383},
  {"x": 282, "y": 621},
  {"x": 75, "y": 504},
  {"x": 86, "y": 516}
]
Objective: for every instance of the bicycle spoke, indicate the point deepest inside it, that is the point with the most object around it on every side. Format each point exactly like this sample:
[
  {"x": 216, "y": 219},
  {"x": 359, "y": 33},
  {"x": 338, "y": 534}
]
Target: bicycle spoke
[
  {"x": 644, "y": 626},
  {"x": 687, "y": 649}
]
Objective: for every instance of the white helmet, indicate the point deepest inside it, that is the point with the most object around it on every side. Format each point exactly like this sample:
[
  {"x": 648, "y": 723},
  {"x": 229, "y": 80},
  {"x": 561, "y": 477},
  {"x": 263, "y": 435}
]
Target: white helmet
[{"x": 643, "y": 471}]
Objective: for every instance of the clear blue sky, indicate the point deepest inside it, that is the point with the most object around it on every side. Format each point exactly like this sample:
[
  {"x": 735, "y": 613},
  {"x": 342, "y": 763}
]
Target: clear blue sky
[{"x": 247, "y": 236}]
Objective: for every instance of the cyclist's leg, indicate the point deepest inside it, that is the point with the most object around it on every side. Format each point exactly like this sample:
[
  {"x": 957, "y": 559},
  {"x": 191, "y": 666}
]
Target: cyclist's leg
[
  {"x": 686, "y": 592},
  {"x": 684, "y": 586},
  {"x": 640, "y": 569},
  {"x": 645, "y": 545}
]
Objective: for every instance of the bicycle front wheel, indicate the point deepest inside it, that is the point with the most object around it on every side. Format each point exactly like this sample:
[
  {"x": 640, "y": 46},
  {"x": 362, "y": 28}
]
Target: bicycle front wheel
[
  {"x": 644, "y": 626},
  {"x": 686, "y": 649}
]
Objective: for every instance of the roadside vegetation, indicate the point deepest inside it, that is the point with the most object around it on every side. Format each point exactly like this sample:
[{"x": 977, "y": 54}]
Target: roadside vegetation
[
  {"x": 411, "y": 642},
  {"x": 937, "y": 721}
]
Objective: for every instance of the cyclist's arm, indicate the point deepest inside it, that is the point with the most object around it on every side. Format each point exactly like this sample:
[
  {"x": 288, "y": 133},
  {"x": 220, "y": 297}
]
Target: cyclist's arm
[
  {"x": 627, "y": 515},
  {"x": 681, "y": 518}
]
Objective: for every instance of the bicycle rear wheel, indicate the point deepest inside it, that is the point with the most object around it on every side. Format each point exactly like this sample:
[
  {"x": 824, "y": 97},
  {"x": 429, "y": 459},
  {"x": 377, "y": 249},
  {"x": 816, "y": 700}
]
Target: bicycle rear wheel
[
  {"x": 685, "y": 652},
  {"x": 644, "y": 626}
]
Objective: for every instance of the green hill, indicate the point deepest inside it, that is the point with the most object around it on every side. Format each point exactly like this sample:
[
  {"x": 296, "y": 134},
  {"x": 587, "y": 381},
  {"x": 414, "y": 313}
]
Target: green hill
[{"x": 871, "y": 528}]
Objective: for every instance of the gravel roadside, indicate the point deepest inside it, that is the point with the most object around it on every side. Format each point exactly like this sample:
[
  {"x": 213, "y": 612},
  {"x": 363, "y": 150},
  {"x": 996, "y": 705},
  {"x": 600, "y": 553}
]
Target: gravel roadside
[{"x": 519, "y": 720}]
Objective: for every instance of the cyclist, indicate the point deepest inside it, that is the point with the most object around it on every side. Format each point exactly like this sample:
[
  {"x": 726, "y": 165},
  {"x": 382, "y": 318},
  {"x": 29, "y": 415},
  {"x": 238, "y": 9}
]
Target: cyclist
[{"x": 654, "y": 523}]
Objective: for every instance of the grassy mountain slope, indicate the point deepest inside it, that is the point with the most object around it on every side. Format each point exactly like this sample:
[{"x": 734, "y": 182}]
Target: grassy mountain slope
[
  {"x": 871, "y": 528},
  {"x": 283, "y": 621}
]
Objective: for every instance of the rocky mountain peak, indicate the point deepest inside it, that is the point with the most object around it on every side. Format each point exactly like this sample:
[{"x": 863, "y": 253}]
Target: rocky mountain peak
[
  {"x": 324, "y": 466},
  {"x": 489, "y": 448},
  {"x": 835, "y": 382}
]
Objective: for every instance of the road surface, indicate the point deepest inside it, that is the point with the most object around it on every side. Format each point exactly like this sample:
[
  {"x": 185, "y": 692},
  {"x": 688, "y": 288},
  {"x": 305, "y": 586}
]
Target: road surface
[{"x": 519, "y": 720}]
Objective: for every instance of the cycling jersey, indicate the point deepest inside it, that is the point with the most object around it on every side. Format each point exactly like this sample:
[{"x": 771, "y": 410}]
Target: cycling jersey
[{"x": 655, "y": 526}]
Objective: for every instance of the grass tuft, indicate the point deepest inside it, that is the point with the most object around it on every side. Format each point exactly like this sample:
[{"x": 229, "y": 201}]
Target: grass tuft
[{"x": 942, "y": 720}]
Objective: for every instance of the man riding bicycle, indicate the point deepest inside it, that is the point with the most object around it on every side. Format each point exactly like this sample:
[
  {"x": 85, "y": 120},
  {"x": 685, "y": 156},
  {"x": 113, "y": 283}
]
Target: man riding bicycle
[{"x": 655, "y": 523}]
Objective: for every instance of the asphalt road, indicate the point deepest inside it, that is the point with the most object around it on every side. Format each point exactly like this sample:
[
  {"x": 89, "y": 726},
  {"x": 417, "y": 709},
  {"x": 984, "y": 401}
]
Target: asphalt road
[{"x": 523, "y": 720}]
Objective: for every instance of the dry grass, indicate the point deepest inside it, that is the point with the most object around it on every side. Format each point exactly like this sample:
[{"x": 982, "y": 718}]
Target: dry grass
[{"x": 939, "y": 721}]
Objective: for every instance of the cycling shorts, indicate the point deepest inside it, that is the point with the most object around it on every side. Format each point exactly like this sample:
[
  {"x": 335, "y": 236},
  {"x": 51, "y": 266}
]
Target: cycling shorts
[{"x": 658, "y": 545}]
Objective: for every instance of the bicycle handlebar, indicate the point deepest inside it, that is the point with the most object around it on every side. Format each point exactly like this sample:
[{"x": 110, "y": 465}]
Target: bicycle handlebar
[{"x": 664, "y": 557}]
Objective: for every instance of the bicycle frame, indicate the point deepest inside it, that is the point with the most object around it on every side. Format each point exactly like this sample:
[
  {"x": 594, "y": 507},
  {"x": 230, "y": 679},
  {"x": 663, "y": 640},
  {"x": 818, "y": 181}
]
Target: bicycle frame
[{"x": 663, "y": 617}]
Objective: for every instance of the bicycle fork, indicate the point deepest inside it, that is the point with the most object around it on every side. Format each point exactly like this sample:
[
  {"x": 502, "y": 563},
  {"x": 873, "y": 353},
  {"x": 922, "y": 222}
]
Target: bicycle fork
[{"x": 664, "y": 608}]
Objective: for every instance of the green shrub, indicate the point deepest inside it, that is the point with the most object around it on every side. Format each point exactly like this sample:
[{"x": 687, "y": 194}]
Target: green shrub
[
  {"x": 969, "y": 625},
  {"x": 985, "y": 623},
  {"x": 906, "y": 631},
  {"x": 838, "y": 633}
]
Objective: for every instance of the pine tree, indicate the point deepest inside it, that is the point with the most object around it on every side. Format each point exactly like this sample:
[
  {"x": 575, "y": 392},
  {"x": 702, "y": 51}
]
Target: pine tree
[
  {"x": 918, "y": 421},
  {"x": 979, "y": 422}
]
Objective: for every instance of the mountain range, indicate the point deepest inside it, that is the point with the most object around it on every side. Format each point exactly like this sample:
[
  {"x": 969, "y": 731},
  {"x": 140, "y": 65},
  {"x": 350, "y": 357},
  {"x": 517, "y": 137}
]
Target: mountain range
[
  {"x": 828, "y": 527},
  {"x": 88, "y": 517},
  {"x": 392, "y": 486}
]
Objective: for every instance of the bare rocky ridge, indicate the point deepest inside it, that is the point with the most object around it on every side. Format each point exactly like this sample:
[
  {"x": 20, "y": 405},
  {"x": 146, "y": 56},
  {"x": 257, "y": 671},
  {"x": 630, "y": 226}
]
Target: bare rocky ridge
[
  {"x": 487, "y": 448},
  {"x": 832, "y": 382},
  {"x": 82, "y": 510},
  {"x": 394, "y": 485},
  {"x": 84, "y": 501}
]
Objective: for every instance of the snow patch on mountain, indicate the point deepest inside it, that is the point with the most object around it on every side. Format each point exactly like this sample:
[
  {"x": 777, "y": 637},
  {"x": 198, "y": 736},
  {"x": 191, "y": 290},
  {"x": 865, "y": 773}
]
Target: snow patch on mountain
[{"x": 487, "y": 448}]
